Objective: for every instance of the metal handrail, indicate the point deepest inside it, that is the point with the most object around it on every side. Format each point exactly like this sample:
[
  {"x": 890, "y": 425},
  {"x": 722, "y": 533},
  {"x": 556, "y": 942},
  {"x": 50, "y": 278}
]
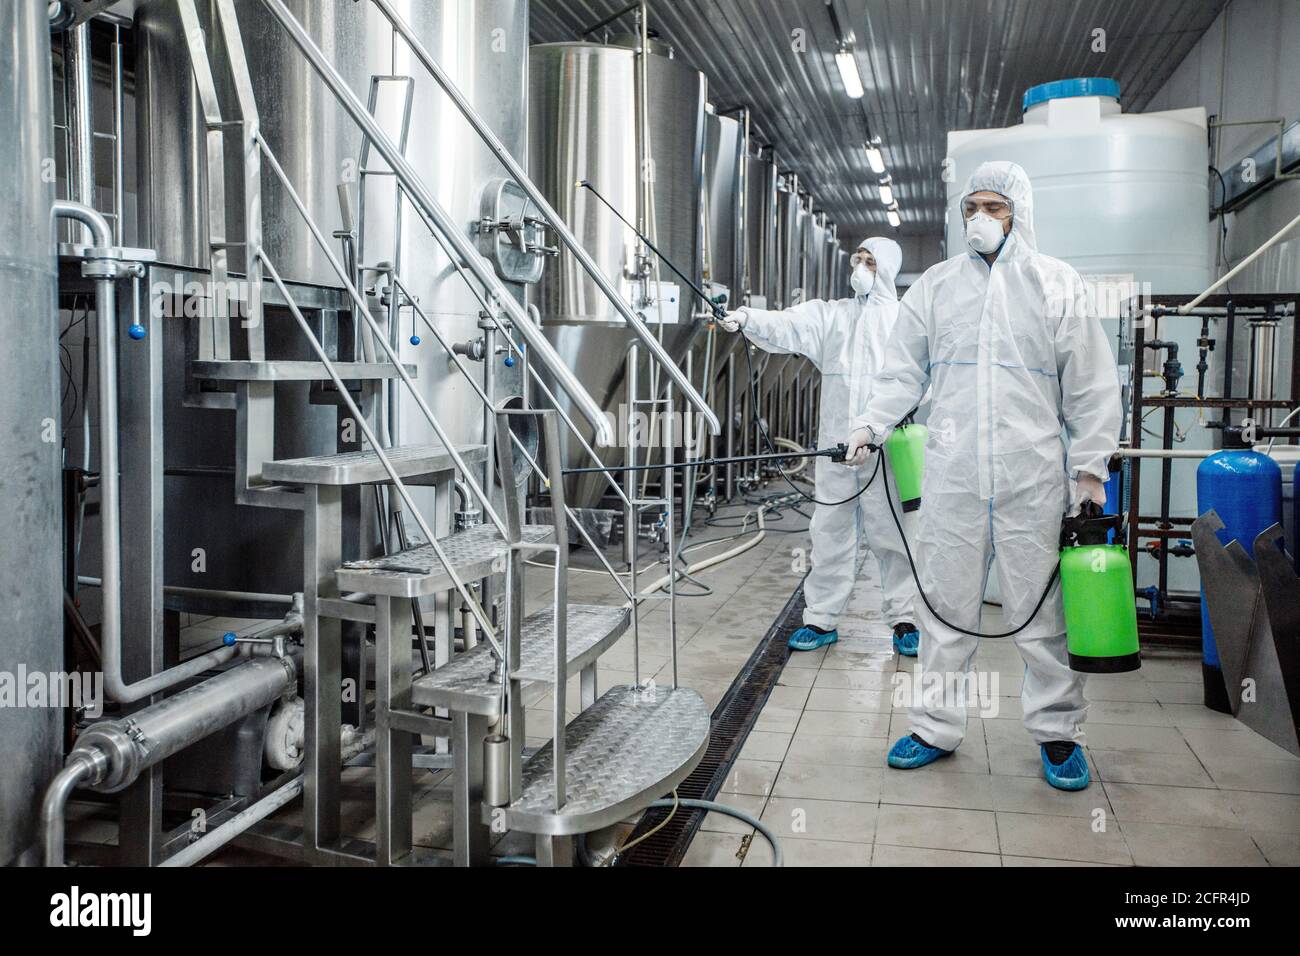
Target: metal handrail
[
  {"x": 437, "y": 219},
  {"x": 475, "y": 608},
  {"x": 483, "y": 397},
  {"x": 553, "y": 218},
  {"x": 364, "y": 312}
]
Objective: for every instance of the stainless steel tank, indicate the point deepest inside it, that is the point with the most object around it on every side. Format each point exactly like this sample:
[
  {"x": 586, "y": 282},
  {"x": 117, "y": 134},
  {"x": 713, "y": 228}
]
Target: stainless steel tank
[
  {"x": 726, "y": 155},
  {"x": 840, "y": 288},
  {"x": 582, "y": 103},
  {"x": 31, "y": 574},
  {"x": 791, "y": 220},
  {"x": 483, "y": 47},
  {"x": 760, "y": 231},
  {"x": 815, "y": 257}
]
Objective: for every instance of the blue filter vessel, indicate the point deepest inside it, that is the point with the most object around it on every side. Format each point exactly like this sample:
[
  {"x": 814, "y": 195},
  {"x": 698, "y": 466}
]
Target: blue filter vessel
[{"x": 1245, "y": 489}]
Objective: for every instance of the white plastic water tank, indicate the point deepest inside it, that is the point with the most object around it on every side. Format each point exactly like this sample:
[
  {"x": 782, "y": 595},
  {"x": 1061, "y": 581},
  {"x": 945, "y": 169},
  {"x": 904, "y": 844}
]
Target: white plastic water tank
[{"x": 1114, "y": 193}]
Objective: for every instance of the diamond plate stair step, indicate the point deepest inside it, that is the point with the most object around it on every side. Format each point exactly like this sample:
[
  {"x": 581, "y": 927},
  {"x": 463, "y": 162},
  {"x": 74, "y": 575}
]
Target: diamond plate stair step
[
  {"x": 625, "y": 751},
  {"x": 364, "y": 467},
  {"x": 417, "y": 572},
  {"x": 589, "y": 630},
  {"x": 278, "y": 370},
  {"x": 466, "y": 682}
]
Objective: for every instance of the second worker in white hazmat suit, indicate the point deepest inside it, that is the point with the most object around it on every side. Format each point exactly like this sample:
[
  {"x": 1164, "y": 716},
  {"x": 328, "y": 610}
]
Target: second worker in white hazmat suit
[
  {"x": 1024, "y": 408},
  {"x": 845, "y": 340}
]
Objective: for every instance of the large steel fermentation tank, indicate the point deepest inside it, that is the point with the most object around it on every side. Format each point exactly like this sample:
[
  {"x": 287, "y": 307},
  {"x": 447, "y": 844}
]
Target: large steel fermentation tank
[
  {"x": 760, "y": 231},
  {"x": 583, "y": 126},
  {"x": 31, "y": 629},
  {"x": 726, "y": 160},
  {"x": 815, "y": 276},
  {"x": 791, "y": 221},
  {"x": 483, "y": 47}
]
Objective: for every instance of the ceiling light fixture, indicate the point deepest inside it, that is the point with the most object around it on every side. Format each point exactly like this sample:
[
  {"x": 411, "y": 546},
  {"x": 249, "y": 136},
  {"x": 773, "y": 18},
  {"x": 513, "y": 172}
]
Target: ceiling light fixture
[
  {"x": 892, "y": 215},
  {"x": 874, "y": 159},
  {"x": 886, "y": 192},
  {"x": 848, "y": 65}
]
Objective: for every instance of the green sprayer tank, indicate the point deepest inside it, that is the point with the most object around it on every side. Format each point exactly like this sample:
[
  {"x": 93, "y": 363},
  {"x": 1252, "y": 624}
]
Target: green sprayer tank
[
  {"x": 905, "y": 447},
  {"x": 1097, "y": 592}
]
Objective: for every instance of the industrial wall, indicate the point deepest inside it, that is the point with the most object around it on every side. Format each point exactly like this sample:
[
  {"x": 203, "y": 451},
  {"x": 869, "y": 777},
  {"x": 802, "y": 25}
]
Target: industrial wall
[{"x": 1246, "y": 67}]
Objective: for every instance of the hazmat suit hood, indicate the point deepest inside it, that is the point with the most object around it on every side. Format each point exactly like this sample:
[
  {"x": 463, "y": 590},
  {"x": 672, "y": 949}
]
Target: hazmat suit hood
[
  {"x": 889, "y": 259},
  {"x": 1009, "y": 180}
]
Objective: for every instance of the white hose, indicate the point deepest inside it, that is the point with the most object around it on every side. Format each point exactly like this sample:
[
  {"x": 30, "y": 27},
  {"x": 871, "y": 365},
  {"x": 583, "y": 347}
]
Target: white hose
[
  {"x": 793, "y": 446},
  {"x": 717, "y": 558}
]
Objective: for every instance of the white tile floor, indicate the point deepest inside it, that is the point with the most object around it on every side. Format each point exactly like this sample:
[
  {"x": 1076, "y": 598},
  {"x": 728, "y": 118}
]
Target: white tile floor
[{"x": 1173, "y": 784}]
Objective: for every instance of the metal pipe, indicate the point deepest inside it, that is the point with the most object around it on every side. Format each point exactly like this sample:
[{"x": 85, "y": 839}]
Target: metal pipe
[
  {"x": 437, "y": 218},
  {"x": 213, "y": 841},
  {"x": 81, "y": 132},
  {"x": 111, "y": 754},
  {"x": 1164, "y": 452},
  {"x": 1227, "y": 276},
  {"x": 110, "y": 519},
  {"x": 80, "y": 768},
  {"x": 552, "y": 217},
  {"x": 119, "y": 114}
]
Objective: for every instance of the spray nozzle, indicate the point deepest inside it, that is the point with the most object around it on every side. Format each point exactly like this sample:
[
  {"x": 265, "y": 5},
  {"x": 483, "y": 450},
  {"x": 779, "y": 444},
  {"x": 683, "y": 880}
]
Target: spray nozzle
[{"x": 839, "y": 452}]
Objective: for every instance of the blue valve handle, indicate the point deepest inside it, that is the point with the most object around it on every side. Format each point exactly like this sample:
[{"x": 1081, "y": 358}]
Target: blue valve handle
[
  {"x": 229, "y": 639},
  {"x": 137, "y": 332}
]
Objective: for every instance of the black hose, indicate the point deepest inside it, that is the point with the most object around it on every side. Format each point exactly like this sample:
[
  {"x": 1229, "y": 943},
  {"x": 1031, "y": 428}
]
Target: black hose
[{"x": 939, "y": 617}]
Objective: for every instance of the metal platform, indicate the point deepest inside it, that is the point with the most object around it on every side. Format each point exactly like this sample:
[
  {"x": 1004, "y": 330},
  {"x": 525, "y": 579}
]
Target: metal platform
[
  {"x": 292, "y": 371},
  {"x": 417, "y": 572},
  {"x": 467, "y": 683},
  {"x": 364, "y": 467},
  {"x": 628, "y": 749}
]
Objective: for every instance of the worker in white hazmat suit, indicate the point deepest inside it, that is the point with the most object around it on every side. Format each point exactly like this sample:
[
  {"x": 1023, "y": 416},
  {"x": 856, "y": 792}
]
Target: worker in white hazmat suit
[
  {"x": 845, "y": 340},
  {"x": 1024, "y": 415}
]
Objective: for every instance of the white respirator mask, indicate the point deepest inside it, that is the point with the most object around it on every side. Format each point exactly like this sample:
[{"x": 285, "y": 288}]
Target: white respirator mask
[
  {"x": 863, "y": 279},
  {"x": 984, "y": 233}
]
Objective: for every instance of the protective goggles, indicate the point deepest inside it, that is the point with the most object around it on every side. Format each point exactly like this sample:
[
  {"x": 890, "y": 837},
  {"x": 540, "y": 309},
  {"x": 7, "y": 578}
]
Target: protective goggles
[{"x": 993, "y": 208}]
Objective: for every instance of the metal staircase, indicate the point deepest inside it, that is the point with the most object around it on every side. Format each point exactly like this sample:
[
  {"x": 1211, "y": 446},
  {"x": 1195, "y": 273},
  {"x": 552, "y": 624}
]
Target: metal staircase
[{"x": 626, "y": 747}]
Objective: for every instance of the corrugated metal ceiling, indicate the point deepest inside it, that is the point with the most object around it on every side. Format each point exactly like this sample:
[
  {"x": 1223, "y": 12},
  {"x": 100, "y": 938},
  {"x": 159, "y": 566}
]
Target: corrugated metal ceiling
[{"x": 928, "y": 66}]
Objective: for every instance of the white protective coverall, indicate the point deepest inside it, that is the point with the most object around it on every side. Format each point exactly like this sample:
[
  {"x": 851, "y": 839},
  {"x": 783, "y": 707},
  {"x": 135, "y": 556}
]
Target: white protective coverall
[
  {"x": 1024, "y": 398},
  {"x": 845, "y": 340}
]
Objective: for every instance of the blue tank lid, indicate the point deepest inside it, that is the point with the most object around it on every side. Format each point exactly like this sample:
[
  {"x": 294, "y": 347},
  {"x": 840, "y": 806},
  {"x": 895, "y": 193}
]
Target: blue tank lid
[{"x": 1079, "y": 86}]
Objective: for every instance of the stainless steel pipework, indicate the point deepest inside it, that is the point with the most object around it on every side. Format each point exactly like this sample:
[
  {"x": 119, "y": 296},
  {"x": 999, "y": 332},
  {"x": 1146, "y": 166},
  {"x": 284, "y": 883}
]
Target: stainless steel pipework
[
  {"x": 111, "y": 754},
  {"x": 103, "y": 266}
]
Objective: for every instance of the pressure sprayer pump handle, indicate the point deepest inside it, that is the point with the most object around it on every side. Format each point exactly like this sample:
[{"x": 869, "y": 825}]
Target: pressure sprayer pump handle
[{"x": 1089, "y": 527}]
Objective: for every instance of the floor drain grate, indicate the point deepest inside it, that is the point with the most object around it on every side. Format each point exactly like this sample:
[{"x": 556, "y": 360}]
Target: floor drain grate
[{"x": 733, "y": 719}]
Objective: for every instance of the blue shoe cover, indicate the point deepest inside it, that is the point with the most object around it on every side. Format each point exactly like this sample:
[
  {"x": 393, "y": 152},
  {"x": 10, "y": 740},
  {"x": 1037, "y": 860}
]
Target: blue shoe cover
[
  {"x": 1071, "y": 775},
  {"x": 909, "y": 753},
  {"x": 906, "y": 643},
  {"x": 806, "y": 639}
]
